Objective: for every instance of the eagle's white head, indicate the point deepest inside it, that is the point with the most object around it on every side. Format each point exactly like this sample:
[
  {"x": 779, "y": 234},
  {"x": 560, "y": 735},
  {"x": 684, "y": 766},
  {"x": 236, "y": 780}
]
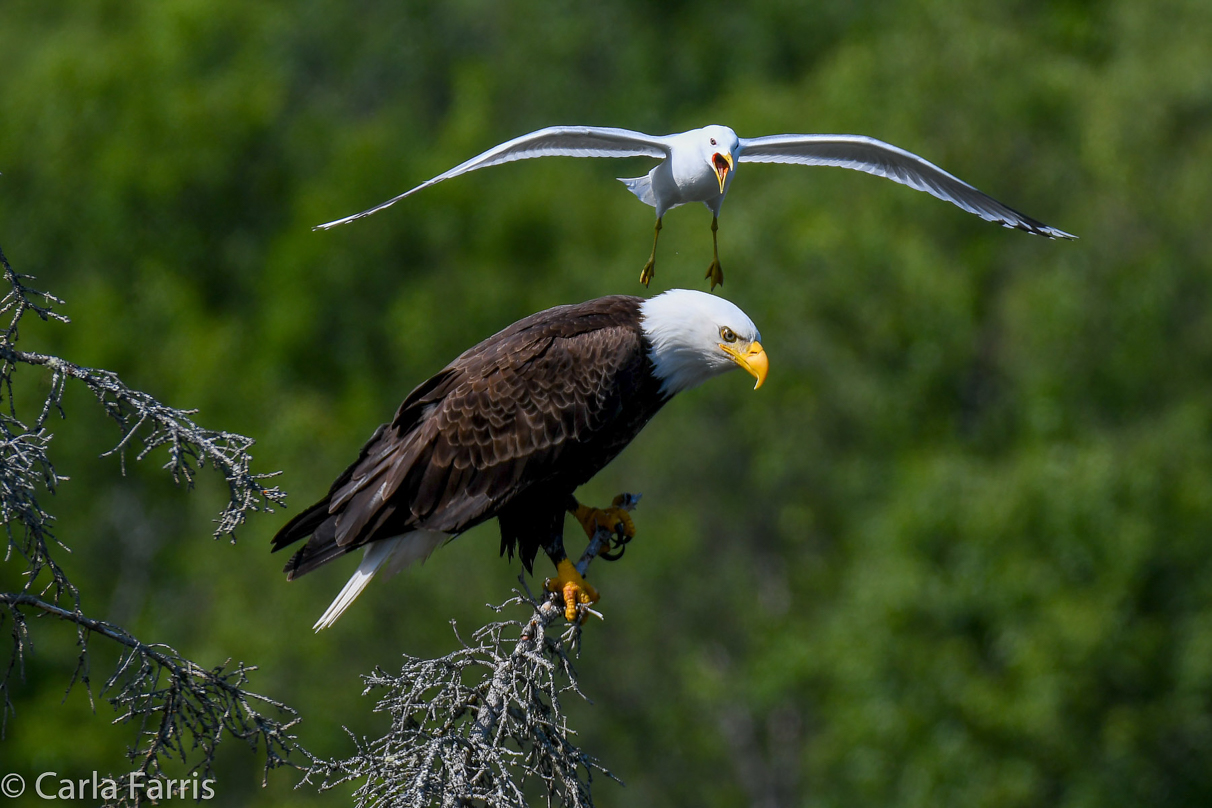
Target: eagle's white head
[{"x": 695, "y": 336}]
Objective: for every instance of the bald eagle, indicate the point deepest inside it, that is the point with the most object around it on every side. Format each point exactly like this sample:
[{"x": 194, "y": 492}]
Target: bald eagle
[{"x": 512, "y": 427}]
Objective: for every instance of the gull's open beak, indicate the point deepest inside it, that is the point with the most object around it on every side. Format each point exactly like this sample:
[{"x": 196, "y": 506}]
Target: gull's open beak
[
  {"x": 722, "y": 164},
  {"x": 753, "y": 360}
]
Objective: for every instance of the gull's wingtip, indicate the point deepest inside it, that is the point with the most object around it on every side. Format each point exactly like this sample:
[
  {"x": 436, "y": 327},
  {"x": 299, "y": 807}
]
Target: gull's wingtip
[
  {"x": 332, "y": 224},
  {"x": 1048, "y": 231},
  {"x": 1034, "y": 227},
  {"x": 368, "y": 212}
]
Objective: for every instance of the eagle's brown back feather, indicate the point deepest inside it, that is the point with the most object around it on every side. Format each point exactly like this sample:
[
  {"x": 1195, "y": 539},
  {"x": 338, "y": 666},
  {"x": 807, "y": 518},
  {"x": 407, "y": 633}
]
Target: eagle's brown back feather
[{"x": 510, "y": 428}]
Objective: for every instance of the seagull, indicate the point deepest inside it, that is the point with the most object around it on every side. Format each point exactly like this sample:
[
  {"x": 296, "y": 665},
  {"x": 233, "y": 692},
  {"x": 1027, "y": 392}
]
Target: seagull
[{"x": 699, "y": 165}]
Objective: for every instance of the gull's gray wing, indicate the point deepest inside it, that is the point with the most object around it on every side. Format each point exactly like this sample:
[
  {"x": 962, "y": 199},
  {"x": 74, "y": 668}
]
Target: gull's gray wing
[
  {"x": 554, "y": 141},
  {"x": 885, "y": 160}
]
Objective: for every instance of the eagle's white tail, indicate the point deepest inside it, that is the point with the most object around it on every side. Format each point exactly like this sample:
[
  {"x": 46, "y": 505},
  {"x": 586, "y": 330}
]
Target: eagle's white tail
[
  {"x": 642, "y": 188},
  {"x": 406, "y": 549}
]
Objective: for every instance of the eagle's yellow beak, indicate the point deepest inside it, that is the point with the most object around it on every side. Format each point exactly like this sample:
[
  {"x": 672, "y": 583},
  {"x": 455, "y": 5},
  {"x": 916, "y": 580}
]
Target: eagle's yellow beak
[
  {"x": 722, "y": 163},
  {"x": 753, "y": 360}
]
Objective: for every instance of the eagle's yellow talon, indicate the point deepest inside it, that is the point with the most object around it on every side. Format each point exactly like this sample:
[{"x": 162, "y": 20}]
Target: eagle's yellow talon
[
  {"x": 572, "y": 588},
  {"x": 610, "y": 518}
]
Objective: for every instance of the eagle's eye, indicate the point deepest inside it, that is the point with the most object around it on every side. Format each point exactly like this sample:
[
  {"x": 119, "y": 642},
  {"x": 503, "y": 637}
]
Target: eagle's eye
[
  {"x": 727, "y": 334},
  {"x": 713, "y": 141}
]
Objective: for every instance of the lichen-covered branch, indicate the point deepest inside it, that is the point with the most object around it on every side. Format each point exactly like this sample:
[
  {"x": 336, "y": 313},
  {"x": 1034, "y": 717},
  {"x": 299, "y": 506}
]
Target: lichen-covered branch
[
  {"x": 182, "y": 710},
  {"x": 140, "y": 417},
  {"x": 190, "y": 447},
  {"x": 483, "y": 725},
  {"x": 21, "y": 300}
]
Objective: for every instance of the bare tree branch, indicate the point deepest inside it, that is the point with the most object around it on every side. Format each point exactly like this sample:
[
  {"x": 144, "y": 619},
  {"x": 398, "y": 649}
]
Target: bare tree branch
[
  {"x": 182, "y": 710},
  {"x": 190, "y": 446},
  {"x": 179, "y": 706},
  {"x": 483, "y": 725}
]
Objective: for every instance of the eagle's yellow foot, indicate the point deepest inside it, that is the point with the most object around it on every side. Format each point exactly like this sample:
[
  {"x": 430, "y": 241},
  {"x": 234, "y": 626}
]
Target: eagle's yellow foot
[
  {"x": 614, "y": 519},
  {"x": 572, "y": 588}
]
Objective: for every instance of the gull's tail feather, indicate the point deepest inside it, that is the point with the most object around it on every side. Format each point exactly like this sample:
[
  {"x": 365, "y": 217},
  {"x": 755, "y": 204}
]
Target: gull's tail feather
[{"x": 642, "y": 188}]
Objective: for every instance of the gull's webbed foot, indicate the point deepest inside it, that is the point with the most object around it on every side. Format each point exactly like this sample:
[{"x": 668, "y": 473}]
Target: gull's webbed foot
[
  {"x": 714, "y": 272},
  {"x": 648, "y": 272},
  {"x": 574, "y": 589}
]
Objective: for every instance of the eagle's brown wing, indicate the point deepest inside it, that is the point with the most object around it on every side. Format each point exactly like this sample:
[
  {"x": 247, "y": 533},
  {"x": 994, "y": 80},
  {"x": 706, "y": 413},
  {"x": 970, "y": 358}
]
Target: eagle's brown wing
[{"x": 543, "y": 404}]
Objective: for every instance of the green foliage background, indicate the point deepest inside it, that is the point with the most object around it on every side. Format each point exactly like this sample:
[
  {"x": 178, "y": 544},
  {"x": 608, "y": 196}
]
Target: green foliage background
[{"x": 956, "y": 552}]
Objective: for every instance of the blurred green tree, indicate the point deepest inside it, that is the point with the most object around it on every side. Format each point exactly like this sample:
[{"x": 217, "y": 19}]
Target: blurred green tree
[
  {"x": 954, "y": 552},
  {"x": 180, "y": 711}
]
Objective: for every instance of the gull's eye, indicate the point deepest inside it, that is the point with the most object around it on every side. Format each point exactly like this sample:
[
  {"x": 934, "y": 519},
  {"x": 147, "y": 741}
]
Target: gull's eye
[
  {"x": 727, "y": 334},
  {"x": 713, "y": 141}
]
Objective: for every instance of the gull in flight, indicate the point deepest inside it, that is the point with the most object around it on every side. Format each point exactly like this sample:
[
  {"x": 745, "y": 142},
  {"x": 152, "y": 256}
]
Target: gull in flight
[{"x": 698, "y": 166}]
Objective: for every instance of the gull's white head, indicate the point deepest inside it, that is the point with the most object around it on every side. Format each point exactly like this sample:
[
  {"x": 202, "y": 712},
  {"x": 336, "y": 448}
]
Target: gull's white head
[
  {"x": 695, "y": 336},
  {"x": 719, "y": 146}
]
